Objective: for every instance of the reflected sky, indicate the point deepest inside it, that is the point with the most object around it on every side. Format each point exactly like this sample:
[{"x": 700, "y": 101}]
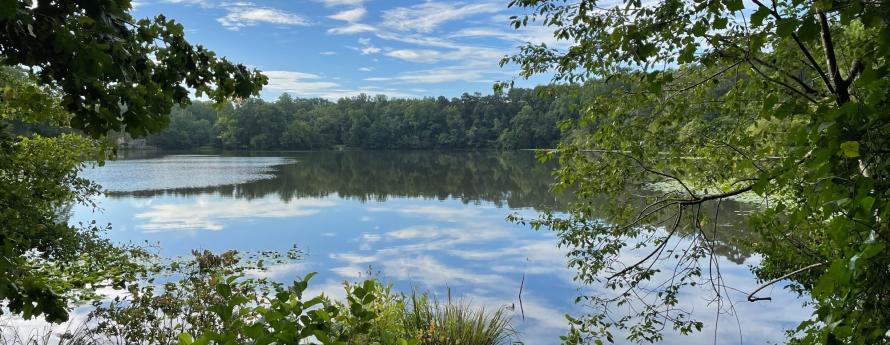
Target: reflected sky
[
  {"x": 442, "y": 227},
  {"x": 182, "y": 171}
]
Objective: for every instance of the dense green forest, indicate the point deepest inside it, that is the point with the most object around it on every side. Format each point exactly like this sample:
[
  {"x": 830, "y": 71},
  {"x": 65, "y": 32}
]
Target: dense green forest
[{"x": 519, "y": 118}]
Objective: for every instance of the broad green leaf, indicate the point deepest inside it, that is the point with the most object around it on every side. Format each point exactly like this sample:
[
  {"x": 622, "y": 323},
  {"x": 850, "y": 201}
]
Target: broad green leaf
[
  {"x": 850, "y": 149},
  {"x": 186, "y": 339}
]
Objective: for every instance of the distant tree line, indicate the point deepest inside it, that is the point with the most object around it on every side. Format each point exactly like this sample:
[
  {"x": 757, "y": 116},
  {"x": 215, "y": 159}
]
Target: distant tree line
[{"x": 518, "y": 118}]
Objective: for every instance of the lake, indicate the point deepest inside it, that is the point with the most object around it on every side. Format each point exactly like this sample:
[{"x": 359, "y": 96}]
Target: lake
[{"x": 422, "y": 219}]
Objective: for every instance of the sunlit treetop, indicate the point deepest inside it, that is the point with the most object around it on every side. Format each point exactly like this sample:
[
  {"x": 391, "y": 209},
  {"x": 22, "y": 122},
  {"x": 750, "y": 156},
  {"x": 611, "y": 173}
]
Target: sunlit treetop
[
  {"x": 92, "y": 67},
  {"x": 114, "y": 72}
]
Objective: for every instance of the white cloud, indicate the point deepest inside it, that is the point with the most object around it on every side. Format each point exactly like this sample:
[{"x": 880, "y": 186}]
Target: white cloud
[
  {"x": 244, "y": 15},
  {"x": 369, "y": 50},
  {"x": 410, "y": 25},
  {"x": 328, "y": 53},
  {"x": 429, "y": 271},
  {"x": 297, "y": 83},
  {"x": 473, "y": 64},
  {"x": 355, "y": 264},
  {"x": 354, "y": 28},
  {"x": 332, "y": 3},
  {"x": 366, "y": 237},
  {"x": 414, "y": 233},
  {"x": 278, "y": 271},
  {"x": 534, "y": 34},
  {"x": 349, "y": 271},
  {"x": 366, "y": 48},
  {"x": 415, "y": 55},
  {"x": 290, "y": 74},
  {"x": 365, "y": 69},
  {"x": 432, "y": 76},
  {"x": 366, "y": 90},
  {"x": 427, "y": 16},
  {"x": 302, "y": 84},
  {"x": 449, "y": 214},
  {"x": 354, "y": 259},
  {"x": 367, "y": 240},
  {"x": 350, "y": 16},
  {"x": 483, "y": 32}
]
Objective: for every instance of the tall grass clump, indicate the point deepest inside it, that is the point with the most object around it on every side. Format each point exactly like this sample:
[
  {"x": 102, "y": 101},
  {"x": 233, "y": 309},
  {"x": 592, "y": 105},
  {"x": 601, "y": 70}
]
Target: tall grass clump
[{"x": 454, "y": 323}]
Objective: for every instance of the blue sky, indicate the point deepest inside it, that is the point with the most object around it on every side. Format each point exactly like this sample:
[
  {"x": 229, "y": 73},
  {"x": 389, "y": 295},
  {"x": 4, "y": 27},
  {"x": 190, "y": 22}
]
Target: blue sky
[{"x": 340, "y": 48}]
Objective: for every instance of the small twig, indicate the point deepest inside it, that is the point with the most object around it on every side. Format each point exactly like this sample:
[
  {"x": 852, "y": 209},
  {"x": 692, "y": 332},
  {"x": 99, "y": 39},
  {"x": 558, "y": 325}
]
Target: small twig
[
  {"x": 521, "y": 285},
  {"x": 657, "y": 250},
  {"x": 752, "y": 298},
  {"x": 648, "y": 169}
]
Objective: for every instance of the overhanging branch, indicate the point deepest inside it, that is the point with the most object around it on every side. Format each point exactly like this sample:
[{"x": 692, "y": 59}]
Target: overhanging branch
[{"x": 752, "y": 298}]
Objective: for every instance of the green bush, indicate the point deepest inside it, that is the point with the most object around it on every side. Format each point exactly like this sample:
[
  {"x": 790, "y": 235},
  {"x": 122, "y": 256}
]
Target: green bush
[{"x": 217, "y": 299}]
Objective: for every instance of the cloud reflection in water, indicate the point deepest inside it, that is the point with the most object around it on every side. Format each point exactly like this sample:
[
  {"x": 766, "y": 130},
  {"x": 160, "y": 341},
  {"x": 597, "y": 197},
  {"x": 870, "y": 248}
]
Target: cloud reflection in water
[
  {"x": 210, "y": 214},
  {"x": 427, "y": 220}
]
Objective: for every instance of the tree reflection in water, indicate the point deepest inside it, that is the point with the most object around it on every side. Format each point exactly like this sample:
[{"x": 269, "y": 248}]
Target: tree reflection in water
[{"x": 512, "y": 179}]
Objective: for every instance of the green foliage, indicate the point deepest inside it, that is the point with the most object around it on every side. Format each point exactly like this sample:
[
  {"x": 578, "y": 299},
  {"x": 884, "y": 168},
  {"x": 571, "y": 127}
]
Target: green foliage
[
  {"x": 785, "y": 100},
  {"x": 218, "y": 299},
  {"x": 94, "y": 69},
  {"x": 44, "y": 262},
  {"x": 191, "y": 126},
  {"x": 521, "y": 118},
  {"x": 113, "y": 72}
]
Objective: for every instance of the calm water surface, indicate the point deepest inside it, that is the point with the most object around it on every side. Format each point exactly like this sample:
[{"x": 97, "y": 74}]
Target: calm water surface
[{"x": 431, "y": 220}]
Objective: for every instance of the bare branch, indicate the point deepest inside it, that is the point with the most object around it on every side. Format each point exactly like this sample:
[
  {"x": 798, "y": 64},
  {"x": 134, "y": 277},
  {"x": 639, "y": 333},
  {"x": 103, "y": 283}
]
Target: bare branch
[
  {"x": 752, "y": 298},
  {"x": 700, "y": 82},
  {"x": 806, "y": 87},
  {"x": 656, "y": 250},
  {"x": 717, "y": 196},
  {"x": 646, "y": 168},
  {"x": 782, "y": 83}
]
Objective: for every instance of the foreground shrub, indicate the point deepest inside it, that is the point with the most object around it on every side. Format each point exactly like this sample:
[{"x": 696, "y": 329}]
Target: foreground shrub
[{"x": 220, "y": 299}]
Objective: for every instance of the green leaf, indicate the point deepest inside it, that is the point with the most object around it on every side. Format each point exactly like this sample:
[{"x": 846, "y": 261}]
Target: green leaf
[
  {"x": 786, "y": 27},
  {"x": 850, "y": 149},
  {"x": 758, "y": 16},
  {"x": 202, "y": 340},
  {"x": 225, "y": 291},
  {"x": 867, "y": 203},
  {"x": 872, "y": 249},
  {"x": 808, "y": 30},
  {"x": 822, "y": 4},
  {"x": 734, "y": 5},
  {"x": 186, "y": 339}
]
